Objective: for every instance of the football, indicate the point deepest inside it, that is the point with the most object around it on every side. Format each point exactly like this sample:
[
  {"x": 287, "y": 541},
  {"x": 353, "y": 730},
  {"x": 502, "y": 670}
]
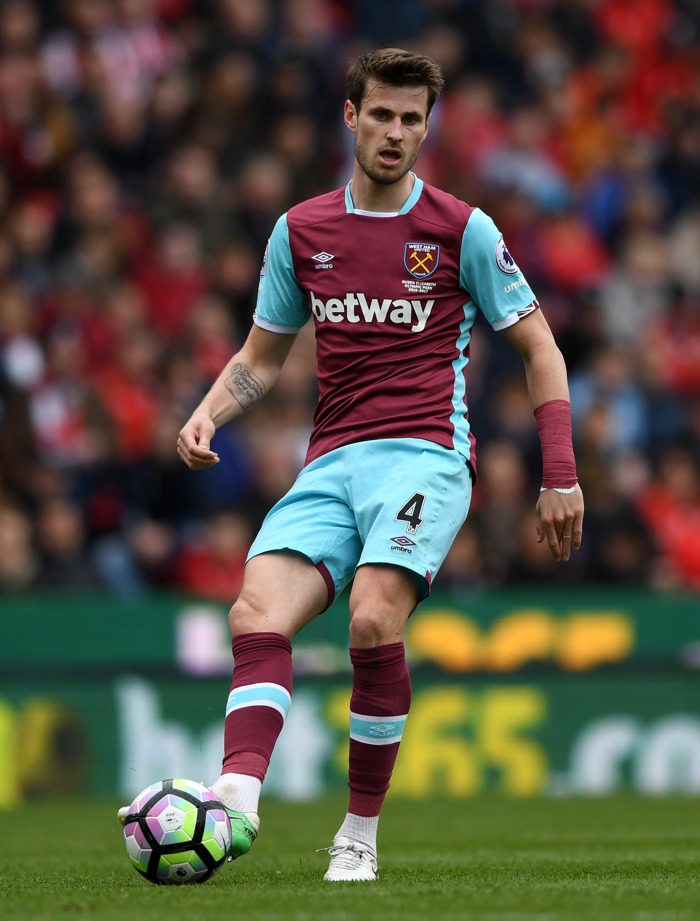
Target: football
[{"x": 176, "y": 832}]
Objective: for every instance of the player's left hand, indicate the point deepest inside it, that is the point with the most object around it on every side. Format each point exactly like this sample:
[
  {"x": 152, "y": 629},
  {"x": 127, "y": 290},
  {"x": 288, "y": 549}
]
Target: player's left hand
[{"x": 560, "y": 521}]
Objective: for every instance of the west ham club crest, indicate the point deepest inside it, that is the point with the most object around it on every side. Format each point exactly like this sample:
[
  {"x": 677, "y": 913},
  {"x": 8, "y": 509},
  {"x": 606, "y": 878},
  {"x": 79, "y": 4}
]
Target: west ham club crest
[{"x": 421, "y": 259}]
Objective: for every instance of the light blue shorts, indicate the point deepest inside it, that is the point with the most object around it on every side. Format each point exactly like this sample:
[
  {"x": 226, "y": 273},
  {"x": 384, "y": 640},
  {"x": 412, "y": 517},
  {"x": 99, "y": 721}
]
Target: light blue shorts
[{"x": 398, "y": 501}]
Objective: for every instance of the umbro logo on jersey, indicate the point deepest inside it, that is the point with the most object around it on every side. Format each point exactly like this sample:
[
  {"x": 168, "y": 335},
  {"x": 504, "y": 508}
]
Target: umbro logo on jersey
[{"x": 323, "y": 260}]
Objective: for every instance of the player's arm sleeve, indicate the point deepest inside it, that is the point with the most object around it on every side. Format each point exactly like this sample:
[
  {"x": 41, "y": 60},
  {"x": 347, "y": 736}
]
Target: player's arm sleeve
[
  {"x": 491, "y": 276},
  {"x": 281, "y": 306}
]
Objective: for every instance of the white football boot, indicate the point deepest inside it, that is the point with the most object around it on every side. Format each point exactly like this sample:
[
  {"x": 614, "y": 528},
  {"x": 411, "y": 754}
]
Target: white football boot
[{"x": 351, "y": 861}]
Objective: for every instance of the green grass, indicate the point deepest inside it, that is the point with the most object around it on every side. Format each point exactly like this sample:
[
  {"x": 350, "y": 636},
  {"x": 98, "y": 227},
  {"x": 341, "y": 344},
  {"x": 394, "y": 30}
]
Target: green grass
[{"x": 493, "y": 859}]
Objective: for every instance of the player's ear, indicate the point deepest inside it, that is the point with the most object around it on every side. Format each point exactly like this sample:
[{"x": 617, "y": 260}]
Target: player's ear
[{"x": 350, "y": 115}]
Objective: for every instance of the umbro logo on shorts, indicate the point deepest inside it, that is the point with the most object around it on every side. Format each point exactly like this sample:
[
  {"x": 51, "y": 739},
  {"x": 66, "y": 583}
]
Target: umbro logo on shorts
[{"x": 403, "y": 544}]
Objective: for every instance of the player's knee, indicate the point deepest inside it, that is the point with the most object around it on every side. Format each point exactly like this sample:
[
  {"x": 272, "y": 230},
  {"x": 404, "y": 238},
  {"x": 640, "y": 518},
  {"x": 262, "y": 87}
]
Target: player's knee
[
  {"x": 244, "y": 617},
  {"x": 372, "y": 626}
]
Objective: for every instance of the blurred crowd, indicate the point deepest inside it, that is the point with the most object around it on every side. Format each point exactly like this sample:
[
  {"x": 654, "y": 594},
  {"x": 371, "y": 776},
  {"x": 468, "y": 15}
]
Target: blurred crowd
[{"x": 148, "y": 146}]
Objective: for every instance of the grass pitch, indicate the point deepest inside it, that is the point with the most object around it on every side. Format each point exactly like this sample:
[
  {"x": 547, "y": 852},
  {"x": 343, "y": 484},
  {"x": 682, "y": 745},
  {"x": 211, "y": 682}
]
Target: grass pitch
[{"x": 492, "y": 859}]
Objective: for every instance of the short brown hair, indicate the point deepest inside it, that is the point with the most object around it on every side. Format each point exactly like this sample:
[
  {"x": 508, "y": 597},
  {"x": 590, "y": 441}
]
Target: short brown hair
[{"x": 394, "y": 67}]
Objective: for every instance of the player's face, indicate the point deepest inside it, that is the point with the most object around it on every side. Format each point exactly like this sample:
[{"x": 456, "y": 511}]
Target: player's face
[{"x": 389, "y": 129}]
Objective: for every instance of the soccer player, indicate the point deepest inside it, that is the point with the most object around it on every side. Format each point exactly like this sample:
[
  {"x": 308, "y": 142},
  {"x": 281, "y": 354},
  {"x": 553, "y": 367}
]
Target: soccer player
[{"x": 392, "y": 272}]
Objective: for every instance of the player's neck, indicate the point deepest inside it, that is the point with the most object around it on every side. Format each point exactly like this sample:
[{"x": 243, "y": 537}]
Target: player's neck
[{"x": 368, "y": 195}]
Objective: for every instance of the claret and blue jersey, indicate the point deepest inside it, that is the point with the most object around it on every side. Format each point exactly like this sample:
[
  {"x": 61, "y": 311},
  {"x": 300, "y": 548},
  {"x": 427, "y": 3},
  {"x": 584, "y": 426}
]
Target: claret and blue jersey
[{"x": 393, "y": 298}]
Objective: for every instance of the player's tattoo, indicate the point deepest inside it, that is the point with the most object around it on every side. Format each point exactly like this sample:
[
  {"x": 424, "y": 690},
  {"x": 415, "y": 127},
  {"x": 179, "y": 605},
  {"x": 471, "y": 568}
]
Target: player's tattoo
[{"x": 244, "y": 386}]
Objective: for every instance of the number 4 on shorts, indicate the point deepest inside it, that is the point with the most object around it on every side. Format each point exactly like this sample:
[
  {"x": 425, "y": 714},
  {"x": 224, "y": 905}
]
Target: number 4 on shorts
[{"x": 410, "y": 512}]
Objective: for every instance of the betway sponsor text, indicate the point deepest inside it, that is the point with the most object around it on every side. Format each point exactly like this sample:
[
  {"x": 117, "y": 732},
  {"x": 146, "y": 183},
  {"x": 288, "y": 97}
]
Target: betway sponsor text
[{"x": 356, "y": 307}]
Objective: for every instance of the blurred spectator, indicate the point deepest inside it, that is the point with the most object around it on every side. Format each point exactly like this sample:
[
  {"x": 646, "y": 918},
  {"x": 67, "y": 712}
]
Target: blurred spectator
[
  {"x": 235, "y": 274},
  {"x": 18, "y": 561},
  {"x": 211, "y": 334},
  {"x": 684, "y": 245},
  {"x": 153, "y": 482},
  {"x": 163, "y": 126},
  {"x": 36, "y": 130},
  {"x": 211, "y": 561},
  {"x": 670, "y": 506},
  {"x": 134, "y": 561},
  {"x": 524, "y": 165},
  {"x": 463, "y": 571},
  {"x": 608, "y": 405},
  {"x": 32, "y": 229},
  {"x": 130, "y": 389},
  {"x": 623, "y": 552},
  {"x": 295, "y": 139},
  {"x": 573, "y": 21},
  {"x": 573, "y": 257},
  {"x": 171, "y": 278},
  {"x": 20, "y": 27},
  {"x": 473, "y": 126},
  {"x": 499, "y": 503},
  {"x": 64, "y": 562},
  {"x": 263, "y": 191},
  {"x": 70, "y": 424},
  {"x": 679, "y": 167},
  {"x": 676, "y": 337},
  {"x": 192, "y": 194},
  {"x": 21, "y": 356},
  {"x": 636, "y": 293},
  {"x": 619, "y": 546},
  {"x": 93, "y": 201}
]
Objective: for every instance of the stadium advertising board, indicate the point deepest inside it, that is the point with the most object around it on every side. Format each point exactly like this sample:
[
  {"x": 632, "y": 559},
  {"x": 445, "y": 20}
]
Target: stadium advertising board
[{"x": 523, "y": 695}]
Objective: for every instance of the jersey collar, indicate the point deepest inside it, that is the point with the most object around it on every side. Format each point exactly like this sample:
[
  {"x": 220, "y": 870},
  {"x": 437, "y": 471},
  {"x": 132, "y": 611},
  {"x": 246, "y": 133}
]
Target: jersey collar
[{"x": 405, "y": 208}]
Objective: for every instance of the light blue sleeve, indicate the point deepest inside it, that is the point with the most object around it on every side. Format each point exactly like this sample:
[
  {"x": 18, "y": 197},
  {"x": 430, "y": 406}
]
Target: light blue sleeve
[
  {"x": 281, "y": 306},
  {"x": 489, "y": 273}
]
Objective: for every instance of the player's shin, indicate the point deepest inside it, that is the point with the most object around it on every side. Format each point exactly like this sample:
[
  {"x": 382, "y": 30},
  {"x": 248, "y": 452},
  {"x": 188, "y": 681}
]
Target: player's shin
[
  {"x": 381, "y": 697},
  {"x": 257, "y": 707}
]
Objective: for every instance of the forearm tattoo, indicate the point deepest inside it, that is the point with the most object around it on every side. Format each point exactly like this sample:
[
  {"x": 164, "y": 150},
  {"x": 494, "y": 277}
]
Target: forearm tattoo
[{"x": 244, "y": 386}]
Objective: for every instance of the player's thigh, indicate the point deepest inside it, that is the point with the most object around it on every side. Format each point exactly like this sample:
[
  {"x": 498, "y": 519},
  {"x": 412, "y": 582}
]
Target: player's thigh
[{"x": 281, "y": 592}]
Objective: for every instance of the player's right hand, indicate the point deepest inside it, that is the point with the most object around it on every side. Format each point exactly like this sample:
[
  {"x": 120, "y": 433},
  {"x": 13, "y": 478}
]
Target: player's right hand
[{"x": 194, "y": 440}]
